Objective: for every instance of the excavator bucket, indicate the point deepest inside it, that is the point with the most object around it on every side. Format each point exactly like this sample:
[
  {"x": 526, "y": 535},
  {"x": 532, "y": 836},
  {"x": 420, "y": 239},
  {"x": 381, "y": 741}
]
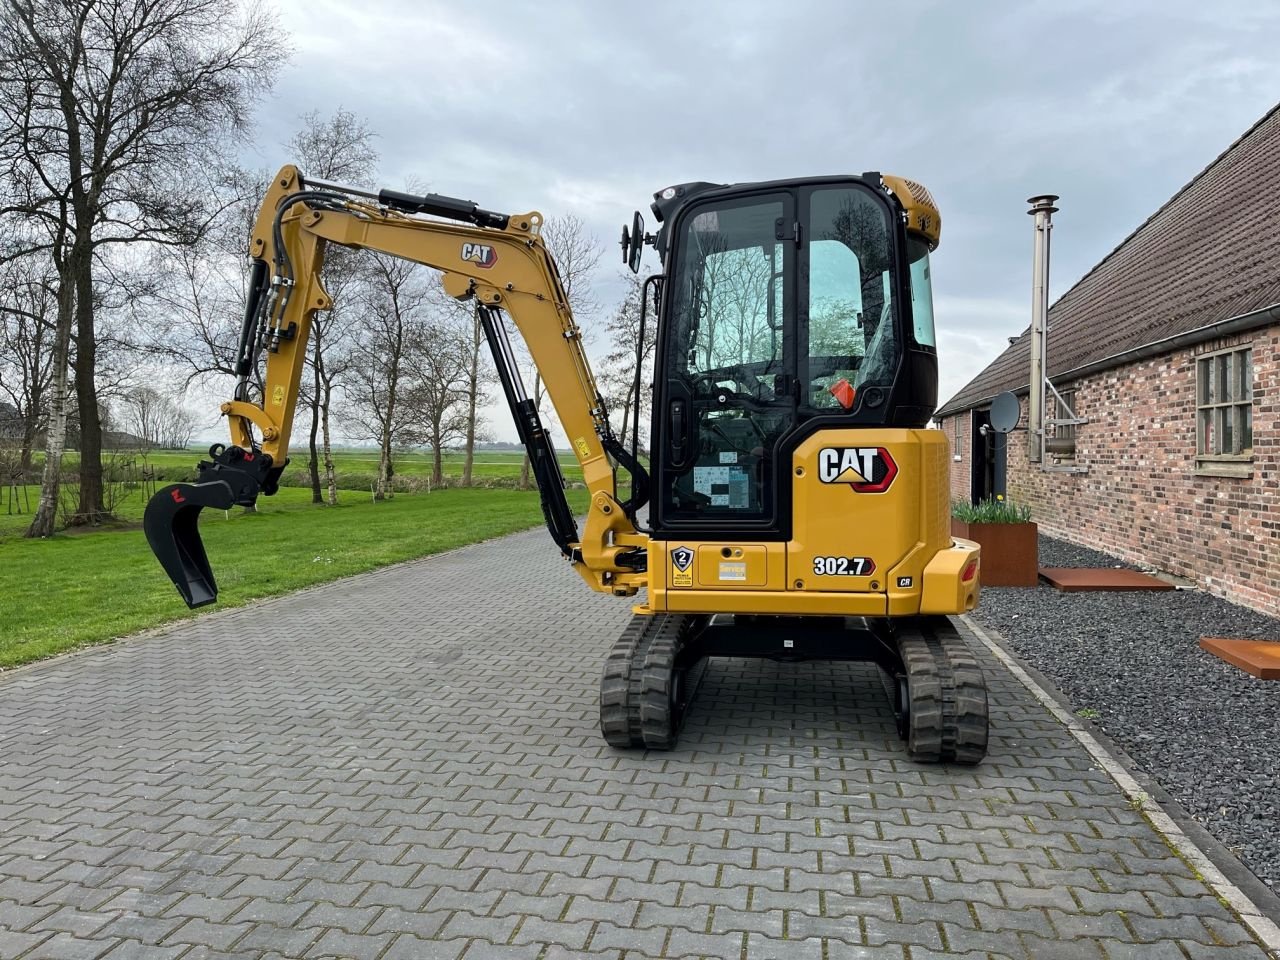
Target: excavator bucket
[{"x": 171, "y": 525}]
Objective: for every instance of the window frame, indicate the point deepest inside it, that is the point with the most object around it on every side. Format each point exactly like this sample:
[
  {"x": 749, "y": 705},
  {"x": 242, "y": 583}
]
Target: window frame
[
  {"x": 899, "y": 315},
  {"x": 1060, "y": 438},
  {"x": 1240, "y": 397}
]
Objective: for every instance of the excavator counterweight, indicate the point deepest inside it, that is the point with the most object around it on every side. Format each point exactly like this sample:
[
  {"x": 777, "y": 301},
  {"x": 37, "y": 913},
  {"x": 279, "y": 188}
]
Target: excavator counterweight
[{"x": 799, "y": 505}]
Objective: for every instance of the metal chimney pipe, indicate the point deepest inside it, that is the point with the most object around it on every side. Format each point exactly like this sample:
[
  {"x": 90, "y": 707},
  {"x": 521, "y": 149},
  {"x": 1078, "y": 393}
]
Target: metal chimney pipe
[{"x": 1042, "y": 209}]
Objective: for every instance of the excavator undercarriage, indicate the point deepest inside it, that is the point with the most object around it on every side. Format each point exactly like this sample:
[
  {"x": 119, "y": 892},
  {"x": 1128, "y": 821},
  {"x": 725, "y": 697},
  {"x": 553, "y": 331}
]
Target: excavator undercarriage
[
  {"x": 931, "y": 677},
  {"x": 797, "y": 506}
]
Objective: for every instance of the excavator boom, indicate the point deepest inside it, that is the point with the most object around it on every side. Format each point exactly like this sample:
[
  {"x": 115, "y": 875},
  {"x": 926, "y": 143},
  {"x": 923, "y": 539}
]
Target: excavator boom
[{"x": 496, "y": 260}]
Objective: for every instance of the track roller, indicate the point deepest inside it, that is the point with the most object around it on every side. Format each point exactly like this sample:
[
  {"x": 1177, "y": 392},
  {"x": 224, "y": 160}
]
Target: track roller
[
  {"x": 940, "y": 698},
  {"x": 647, "y": 685}
]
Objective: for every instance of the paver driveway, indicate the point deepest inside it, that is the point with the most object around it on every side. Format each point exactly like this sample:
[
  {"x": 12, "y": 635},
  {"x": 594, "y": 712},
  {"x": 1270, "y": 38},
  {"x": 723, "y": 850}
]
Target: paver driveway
[{"x": 406, "y": 765}]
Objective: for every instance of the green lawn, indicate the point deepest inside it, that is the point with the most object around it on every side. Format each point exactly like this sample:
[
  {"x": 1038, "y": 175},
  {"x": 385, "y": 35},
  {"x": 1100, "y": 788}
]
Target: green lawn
[
  {"x": 488, "y": 465},
  {"x": 82, "y": 588}
]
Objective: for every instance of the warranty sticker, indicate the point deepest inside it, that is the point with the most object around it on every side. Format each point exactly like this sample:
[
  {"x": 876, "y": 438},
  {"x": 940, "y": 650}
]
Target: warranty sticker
[{"x": 682, "y": 567}]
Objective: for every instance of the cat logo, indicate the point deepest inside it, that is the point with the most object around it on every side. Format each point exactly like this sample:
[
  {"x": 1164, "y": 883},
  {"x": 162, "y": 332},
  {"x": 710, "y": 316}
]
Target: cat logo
[
  {"x": 481, "y": 254},
  {"x": 865, "y": 469}
]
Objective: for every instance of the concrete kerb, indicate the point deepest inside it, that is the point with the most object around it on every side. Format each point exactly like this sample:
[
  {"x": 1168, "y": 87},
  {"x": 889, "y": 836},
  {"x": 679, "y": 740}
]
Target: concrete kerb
[{"x": 1259, "y": 909}]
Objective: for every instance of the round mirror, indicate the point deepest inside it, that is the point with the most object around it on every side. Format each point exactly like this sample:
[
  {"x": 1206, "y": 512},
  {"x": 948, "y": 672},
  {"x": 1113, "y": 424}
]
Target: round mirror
[
  {"x": 1006, "y": 411},
  {"x": 637, "y": 242}
]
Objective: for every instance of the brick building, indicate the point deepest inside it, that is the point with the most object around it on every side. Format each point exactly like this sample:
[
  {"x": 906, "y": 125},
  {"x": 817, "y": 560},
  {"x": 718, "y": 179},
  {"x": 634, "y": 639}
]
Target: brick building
[{"x": 1170, "y": 348}]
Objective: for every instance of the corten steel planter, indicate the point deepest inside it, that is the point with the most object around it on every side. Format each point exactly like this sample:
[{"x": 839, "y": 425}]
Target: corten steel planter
[{"x": 1010, "y": 551}]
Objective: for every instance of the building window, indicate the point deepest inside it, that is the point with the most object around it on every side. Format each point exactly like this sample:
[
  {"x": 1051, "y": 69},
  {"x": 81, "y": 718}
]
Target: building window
[{"x": 1224, "y": 413}]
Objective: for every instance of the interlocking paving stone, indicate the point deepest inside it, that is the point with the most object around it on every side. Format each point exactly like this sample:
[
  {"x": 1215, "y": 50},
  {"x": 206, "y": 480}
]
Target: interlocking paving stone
[{"x": 406, "y": 765}]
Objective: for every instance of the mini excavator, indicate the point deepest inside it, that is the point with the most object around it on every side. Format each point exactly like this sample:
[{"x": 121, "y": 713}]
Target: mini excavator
[{"x": 799, "y": 507}]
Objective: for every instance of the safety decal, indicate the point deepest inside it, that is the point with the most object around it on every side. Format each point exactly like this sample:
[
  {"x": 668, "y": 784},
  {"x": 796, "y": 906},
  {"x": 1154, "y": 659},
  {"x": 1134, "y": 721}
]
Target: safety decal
[
  {"x": 682, "y": 567},
  {"x": 865, "y": 469},
  {"x": 481, "y": 254}
]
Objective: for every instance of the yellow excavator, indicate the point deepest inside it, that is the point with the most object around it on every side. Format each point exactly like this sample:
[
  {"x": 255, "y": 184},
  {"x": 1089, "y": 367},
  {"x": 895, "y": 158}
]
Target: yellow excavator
[{"x": 799, "y": 508}]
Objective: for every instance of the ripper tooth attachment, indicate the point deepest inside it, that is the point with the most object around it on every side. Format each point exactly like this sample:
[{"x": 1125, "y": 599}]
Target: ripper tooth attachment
[{"x": 171, "y": 520}]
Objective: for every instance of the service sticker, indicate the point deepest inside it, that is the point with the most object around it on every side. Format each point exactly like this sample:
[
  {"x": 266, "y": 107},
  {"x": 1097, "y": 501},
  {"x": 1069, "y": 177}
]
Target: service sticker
[
  {"x": 734, "y": 570},
  {"x": 682, "y": 567}
]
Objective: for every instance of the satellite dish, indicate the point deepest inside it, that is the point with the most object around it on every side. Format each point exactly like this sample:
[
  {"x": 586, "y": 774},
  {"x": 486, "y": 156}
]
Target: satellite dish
[{"x": 1006, "y": 411}]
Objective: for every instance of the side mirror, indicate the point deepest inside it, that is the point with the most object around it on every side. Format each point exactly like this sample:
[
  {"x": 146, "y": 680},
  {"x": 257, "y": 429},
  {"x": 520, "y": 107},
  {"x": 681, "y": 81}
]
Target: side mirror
[
  {"x": 637, "y": 242},
  {"x": 633, "y": 243}
]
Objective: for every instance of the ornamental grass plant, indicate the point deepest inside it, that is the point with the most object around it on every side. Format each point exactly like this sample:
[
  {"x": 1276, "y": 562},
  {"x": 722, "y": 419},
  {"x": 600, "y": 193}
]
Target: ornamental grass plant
[{"x": 991, "y": 510}]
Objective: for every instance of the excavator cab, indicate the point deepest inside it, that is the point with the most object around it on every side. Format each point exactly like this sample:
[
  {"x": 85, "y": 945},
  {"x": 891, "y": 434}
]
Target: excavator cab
[{"x": 788, "y": 308}]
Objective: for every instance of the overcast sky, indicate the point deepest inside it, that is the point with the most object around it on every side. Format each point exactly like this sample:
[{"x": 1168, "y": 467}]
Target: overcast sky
[{"x": 589, "y": 107}]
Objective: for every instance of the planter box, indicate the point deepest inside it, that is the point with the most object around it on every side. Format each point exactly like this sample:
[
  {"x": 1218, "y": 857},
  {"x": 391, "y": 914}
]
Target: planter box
[{"x": 1010, "y": 551}]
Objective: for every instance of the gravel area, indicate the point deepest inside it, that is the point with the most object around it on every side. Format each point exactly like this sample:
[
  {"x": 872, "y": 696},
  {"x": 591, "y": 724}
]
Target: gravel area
[{"x": 1130, "y": 662}]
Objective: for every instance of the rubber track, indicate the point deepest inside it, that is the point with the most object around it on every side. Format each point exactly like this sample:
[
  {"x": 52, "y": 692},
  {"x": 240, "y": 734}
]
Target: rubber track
[
  {"x": 659, "y": 729},
  {"x": 970, "y": 726},
  {"x": 619, "y": 722},
  {"x": 947, "y": 722}
]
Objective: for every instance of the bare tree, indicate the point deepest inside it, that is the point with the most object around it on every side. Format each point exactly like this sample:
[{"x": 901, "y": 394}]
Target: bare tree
[
  {"x": 619, "y": 375},
  {"x": 462, "y": 320},
  {"x": 394, "y": 303},
  {"x": 108, "y": 105},
  {"x": 155, "y": 421},
  {"x": 577, "y": 252},
  {"x": 439, "y": 365},
  {"x": 143, "y": 417},
  {"x": 191, "y": 315},
  {"x": 334, "y": 148},
  {"x": 28, "y": 314}
]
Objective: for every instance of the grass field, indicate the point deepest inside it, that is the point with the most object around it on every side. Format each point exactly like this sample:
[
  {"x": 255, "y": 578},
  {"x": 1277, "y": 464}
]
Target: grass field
[
  {"x": 488, "y": 465},
  {"x": 82, "y": 588},
  {"x": 356, "y": 470}
]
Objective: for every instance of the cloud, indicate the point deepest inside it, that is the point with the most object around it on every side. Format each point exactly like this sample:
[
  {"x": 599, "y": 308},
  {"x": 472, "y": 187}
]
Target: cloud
[{"x": 587, "y": 108}]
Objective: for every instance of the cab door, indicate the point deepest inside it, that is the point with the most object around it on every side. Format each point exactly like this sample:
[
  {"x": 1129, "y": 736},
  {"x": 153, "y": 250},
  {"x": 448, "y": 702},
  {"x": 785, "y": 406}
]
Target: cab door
[{"x": 726, "y": 370}]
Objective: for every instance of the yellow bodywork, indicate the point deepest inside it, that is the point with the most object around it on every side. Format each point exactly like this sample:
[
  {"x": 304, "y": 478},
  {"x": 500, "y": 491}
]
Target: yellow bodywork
[{"x": 915, "y": 566}]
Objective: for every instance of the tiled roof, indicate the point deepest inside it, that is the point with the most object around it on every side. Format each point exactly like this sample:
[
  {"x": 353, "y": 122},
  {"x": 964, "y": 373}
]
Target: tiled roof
[{"x": 1211, "y": 253}]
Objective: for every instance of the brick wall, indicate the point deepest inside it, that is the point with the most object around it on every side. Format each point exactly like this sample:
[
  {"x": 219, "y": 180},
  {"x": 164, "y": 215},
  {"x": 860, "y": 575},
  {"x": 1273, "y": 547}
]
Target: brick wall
[
  {"x": 957, "y": 431},
  {"x": 1141, "y": 499}
]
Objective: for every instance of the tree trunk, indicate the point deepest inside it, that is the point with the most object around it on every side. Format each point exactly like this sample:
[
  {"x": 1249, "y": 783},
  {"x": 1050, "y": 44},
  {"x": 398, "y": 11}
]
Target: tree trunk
[
  {"x": 313, "y": 460},
  {"x": 468, "y": 460},
  {"x": 29, "y": 425},
  {"x": 473, "y": 395},
  {"x": 437, "y": 462},
  {"x": 384, "y": 465},
  {"x": 313, "y": 464},
  {"x": 330, "y": 474},
  {"x": 626, "y": 419},
  {"x": 91, "y": 509},
  {"x": 46, "y": 516}
]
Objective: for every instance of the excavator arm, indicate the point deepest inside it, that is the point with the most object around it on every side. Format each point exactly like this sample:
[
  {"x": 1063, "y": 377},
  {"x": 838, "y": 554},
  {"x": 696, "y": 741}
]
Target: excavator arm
[{"x": 500, "y": 262}]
